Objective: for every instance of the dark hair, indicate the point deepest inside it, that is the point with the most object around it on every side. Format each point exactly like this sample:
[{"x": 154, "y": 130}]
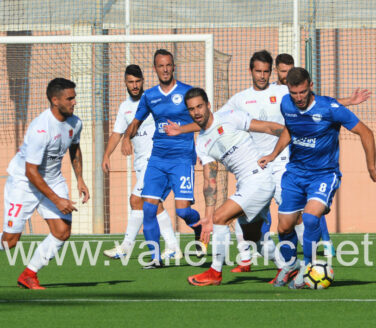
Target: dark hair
[
  {"x": 163, "y": 52},
  {"x": 284, "y": 59},
  {"x": 262, "y": 56},
  {"x": 196, "y": 92},
  {"x": 134, "y": 70},
  {"x": 297, "y": 75},
  {"x": 57, "y": 85}
]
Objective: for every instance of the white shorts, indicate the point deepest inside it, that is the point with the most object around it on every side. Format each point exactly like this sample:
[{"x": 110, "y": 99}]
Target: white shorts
[
  {"x": 277, "y": 171},
  {"x": 140, "y": 174},
  {"x": 21, "y": 199},
  {"x": 254, "y": 194}
]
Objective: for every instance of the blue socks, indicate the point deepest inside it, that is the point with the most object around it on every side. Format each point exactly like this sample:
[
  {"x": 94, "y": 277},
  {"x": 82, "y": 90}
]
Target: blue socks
[
  {"x": 324, "y": 229},
  {"x": 288, "y": 251},
  {"x": 266, "y": 225},
  {"x": 151, "y": 228},
  {"x": 312, "y": 233},
  {"x": 191, "y": 217}
]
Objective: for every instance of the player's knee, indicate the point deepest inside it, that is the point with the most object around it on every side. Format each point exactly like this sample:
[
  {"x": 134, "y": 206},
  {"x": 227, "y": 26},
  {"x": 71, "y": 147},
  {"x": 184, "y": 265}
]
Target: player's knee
[
  {"x": 219, "y": 219},
  {"x": 10, "y": 240},
  {"x": 136, "y": 202},
  {"x": 311, "y": 222},
  {"x": 285, "y": 227},
  {"x": 62, "y": 234}
]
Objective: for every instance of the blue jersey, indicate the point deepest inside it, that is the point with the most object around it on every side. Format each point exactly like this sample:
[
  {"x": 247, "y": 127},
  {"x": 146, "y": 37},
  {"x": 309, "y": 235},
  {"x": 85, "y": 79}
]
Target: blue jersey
[
  {"x": 314, "y": 134},
  {"x": 171, "y": 107}
]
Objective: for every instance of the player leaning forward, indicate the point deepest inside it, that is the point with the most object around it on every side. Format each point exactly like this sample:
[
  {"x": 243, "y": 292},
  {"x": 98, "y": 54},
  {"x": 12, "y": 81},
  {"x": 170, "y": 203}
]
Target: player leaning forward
[
  {"x": 35, "y": 180},
  {"x": 224, "y": 137},
  {"x": 312, "y": 176}
]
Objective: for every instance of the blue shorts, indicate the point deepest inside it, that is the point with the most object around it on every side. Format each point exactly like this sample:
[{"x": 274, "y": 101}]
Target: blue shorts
[
  {"x": 162, "y": 176},
  {"x": 297, "y": 190}
]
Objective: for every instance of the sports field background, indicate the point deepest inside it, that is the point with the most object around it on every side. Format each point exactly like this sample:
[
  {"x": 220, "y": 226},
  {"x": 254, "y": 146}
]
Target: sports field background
[{"x": 110, "y": 295}]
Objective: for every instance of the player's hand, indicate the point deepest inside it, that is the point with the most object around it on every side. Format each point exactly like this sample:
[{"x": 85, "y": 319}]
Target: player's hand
[
  {"x": 126, "y": 147},
  {"x": 106, "y": 164},
  {"x": 207, "y": 228},
  {"x": 172, "y": 129},
  {"x": 83, "y": 190},
  {"x": 359, "y": 96},
  {"x": 372, "y": 174},
  {"x": 263, "y": 161},
  {"x": 65, "y": 206}
]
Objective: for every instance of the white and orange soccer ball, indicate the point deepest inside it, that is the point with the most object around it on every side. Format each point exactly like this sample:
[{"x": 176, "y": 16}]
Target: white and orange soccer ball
[{"x": 319, "y": 275}]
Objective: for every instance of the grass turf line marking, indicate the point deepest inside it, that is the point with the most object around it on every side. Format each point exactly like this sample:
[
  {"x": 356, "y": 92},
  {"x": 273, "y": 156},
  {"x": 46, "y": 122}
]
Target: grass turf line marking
[{"x": 182, "y": 300}]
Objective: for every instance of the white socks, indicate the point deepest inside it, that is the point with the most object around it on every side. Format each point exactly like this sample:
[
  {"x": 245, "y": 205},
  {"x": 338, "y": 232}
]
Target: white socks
[
  {"x": 299, "y": 229},
  {"x": 1, "y": 244},
  {"x": 133, "y": 227},
  {"x": 167, "y": 232},
  {"x": 45, "y": 252},
  {"x": 221, "y": 242}
]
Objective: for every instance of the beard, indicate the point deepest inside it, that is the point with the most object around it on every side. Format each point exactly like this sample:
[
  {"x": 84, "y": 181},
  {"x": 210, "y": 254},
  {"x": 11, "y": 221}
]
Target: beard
[
  {"x": 138, "y": 96},
  {"x": 168, "y": 81}
]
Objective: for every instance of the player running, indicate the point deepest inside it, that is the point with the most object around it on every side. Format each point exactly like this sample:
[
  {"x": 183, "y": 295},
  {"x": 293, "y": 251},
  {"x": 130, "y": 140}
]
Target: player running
[
  {"x": 312, "y": 176},
  {"x": 172, "y": 160},
  {"x": 142, "y": 145},
  {"x": 35, "y": 180},
  {"x": 224, "y": 137}
]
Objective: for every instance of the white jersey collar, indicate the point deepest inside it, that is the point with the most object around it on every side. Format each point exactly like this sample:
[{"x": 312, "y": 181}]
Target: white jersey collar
[{"x": 166, "y": 94}]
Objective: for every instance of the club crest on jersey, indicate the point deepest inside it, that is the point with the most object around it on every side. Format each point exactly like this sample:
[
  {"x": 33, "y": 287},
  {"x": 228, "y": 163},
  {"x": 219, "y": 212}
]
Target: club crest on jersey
[
  {"x": 273, "y": 99},
  {"x": 220, "y": 130},
  {"x": 316, "y": 117},
  {"x": 70, "y": 133},
  {"x": 10, "y": 223},
  {"x": 177, "y": 98}
]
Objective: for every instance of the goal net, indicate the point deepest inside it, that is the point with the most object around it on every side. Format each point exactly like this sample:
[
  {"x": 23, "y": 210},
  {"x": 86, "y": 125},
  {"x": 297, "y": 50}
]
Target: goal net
[{"x": 96, "y": 64}]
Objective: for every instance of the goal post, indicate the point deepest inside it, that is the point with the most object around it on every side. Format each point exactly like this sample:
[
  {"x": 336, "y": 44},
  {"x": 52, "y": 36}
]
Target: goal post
[{"x": 83, "y": 64}]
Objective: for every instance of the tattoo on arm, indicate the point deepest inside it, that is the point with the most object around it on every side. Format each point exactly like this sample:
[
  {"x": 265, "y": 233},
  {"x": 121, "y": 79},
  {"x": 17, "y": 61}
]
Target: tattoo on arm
[
  {"x": 76, "y": 160},
  {"x": 277, "y": 132},
  {"x": 210, "y": 186}
]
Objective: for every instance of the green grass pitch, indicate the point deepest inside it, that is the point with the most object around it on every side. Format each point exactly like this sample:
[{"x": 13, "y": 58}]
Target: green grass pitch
[{"x": 109, "y": 293}]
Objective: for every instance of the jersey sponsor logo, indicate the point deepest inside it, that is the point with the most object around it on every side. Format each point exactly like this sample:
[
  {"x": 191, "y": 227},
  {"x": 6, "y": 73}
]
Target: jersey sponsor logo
[
  {"x": 316, "y": 117},
  {"x": 291, "y": 115},
  {"x": 177, "y": 98},
  {"x": 305, "y": 142},
  {"x": 334, "y": 105},
  {"x": 128, "y": 112},
  {"x": 229, "y": 152},
  {"x": 154, "y": 101},
  {"x": 220, "y": 130},
  {"x": 273, "y": 99},
  {"x": 70, "y": 133},
  {"x": 41, "y": 131},
  {"x": 54, "y": 158},
  {"x": 141, "y": 133},
  {"x": 250, "y": 102},
  {"x": 59, "y": 136}
]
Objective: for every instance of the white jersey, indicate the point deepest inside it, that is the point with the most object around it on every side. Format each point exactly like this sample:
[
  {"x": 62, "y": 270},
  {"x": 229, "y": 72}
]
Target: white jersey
[
  {"x": 262, "y": 105},
  {"x": 46, "y": 141},
  {"x": 143, "y": 140},
  {"x": 227, "y": 140}
]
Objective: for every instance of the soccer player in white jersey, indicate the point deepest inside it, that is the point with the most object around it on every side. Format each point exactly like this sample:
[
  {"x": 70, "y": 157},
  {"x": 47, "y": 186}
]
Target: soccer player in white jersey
[
  {"x": 142, "y": 145},
  {"x": 312, "y": 177},
  {"x": 224, "y": 137},
  {"x": 35, "y": 180}
]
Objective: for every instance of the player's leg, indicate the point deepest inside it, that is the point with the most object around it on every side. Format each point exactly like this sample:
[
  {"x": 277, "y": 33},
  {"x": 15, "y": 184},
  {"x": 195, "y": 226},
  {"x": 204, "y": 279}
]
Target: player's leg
[
  {"x": 220, "y": 241},
  {"x": 325, "y": 237},
  {"x": 320, "y": 192},
  {"x": 244, "y": 250},
  {"x": 299, "y": 229},
  {"x": 60, "y": 228}
]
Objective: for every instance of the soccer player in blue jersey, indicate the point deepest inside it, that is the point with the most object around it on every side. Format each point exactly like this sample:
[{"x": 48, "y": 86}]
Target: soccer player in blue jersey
[
  {"x": 173, "y": 158},
  {"x": 312, "y": 125}
]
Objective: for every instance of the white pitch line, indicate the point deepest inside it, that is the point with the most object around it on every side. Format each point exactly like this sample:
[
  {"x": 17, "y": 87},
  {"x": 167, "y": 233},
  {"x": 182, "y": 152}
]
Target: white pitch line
[{"x": 182, "y": 300}]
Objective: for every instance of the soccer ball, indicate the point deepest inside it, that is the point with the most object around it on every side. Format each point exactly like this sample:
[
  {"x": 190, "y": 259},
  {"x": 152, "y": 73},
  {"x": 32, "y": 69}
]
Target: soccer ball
[{"x": 319, "y": 275}]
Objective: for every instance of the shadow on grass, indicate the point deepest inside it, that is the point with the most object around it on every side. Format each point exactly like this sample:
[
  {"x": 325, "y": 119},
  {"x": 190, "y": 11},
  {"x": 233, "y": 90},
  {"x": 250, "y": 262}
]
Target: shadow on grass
[{"x": 87, "y": 284}]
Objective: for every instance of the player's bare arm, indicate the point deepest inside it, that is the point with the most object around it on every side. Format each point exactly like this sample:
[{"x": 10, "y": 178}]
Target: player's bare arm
[
  {"x": 65, "y": 206},
  {"x": 76, "y": 160},
  {"x": 357, "y": 97},
  {"x": 272, "y": 128},
  {"x": 210, "y": 194},
  {"x": 126, "y": 146},
  {"x": 113, "y": 141},
  {"x": 173, "y": 129},
  {"x": 368, "y": 143},
  {"x": 282, "y": 143}
]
